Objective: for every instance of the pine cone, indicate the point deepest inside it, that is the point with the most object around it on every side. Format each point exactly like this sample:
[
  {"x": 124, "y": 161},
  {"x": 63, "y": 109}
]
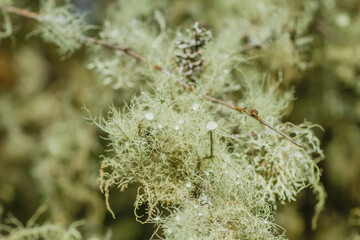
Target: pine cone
[{"x": 189, "y": 55}]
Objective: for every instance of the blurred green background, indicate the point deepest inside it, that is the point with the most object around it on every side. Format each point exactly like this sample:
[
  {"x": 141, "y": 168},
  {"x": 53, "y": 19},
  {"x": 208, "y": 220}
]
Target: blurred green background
[{"x": 50, "y": 153}]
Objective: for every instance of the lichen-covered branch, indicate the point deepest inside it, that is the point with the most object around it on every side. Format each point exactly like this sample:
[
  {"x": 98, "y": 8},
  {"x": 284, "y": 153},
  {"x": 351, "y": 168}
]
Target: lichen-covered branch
[{"x": 42, "y": 19}]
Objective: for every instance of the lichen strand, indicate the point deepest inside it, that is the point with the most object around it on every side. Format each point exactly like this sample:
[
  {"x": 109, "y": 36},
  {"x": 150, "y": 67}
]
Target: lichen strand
[
  {"x": 15, "y": 230},
  {"x": 281, "y": 169},
  {"x": 62, "y": 26}
]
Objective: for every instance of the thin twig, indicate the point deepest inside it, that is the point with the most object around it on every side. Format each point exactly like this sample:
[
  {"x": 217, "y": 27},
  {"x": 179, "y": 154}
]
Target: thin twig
[
  {"x": 253, "y": 44},
  {"x": 252, "y": 113},
  {"x": 248, "y": 46}
]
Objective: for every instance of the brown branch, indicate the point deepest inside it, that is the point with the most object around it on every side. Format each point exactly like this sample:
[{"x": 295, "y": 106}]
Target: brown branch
[
  {"x": 252, "y": 113},
  {"x": 22, "y": 12}
]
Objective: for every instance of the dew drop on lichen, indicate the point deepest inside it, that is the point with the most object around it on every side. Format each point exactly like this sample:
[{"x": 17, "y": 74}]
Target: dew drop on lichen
[
  {"x": 149, "y": 116},
  {"x": 211, "y": 125}
]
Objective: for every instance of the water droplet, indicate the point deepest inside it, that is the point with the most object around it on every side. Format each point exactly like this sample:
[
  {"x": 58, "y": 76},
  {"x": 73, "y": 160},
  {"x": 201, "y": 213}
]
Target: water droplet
[
  {"x": 196, "y": 106},
  {"x": 149, "y": 116},
  {"x": 211, "y": 125}
]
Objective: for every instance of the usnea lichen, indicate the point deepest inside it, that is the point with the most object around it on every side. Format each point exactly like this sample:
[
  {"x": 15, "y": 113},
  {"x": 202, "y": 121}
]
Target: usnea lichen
[
  {"x": 15, "y": 230},
  {"x": 202, "y": 171},
  {"x": 62, "y": 26}
]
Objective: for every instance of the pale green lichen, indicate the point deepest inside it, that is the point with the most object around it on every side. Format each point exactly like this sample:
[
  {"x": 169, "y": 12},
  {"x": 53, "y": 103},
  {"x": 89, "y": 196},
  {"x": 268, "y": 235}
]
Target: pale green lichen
[
  {"x": 158, "y": 137},
  {"x": 15, "y": 230},
  {"x": 163, "y": 142},
  {"x": 281, "y": 169},
  {"x": 62, "y": 26},
  {"x": 125, "y": 26},
  {"x": 202, "y": 171},
  {"x": 164, "y": 145}
]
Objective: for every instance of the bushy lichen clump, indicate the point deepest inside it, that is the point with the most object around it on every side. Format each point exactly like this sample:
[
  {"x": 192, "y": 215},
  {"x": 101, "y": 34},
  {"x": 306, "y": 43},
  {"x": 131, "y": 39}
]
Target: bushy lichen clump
[
  {"x": 165, "y": 146},
  {"x": 211, "y": 181},
  {"x": 203, "y": 171},
  {"x": 160, "y": 143}
]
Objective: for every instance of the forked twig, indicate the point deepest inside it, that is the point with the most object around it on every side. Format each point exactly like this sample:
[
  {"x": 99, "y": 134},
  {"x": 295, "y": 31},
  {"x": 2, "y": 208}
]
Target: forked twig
[{"x": 252, "y": 113}]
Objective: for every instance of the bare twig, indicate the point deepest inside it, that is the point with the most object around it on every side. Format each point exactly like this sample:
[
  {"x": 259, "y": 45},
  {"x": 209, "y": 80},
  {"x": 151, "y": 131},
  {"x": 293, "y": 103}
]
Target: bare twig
[{"x": 252, "y": 113}]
